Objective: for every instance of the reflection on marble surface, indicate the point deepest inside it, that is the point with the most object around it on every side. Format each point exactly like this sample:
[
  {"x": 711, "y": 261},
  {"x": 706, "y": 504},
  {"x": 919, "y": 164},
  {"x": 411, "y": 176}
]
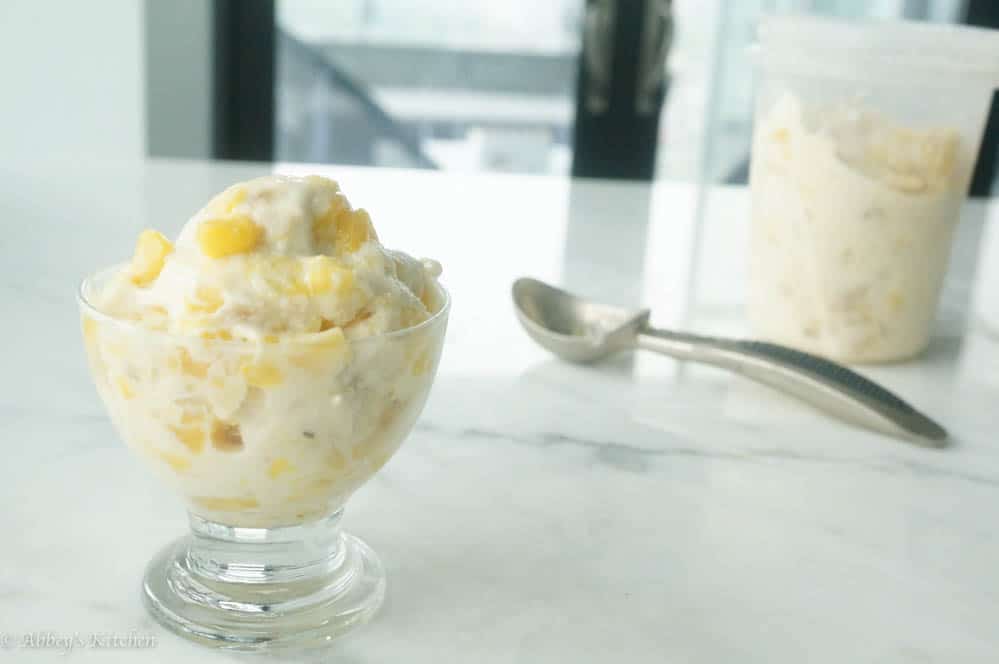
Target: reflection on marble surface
[
  {"x": 541, "y": 512},
  {"x": 985, "y": 300}
]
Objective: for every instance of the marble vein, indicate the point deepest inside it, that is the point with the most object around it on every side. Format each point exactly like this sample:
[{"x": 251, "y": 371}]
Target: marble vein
[{"x": 603, "y": 447}]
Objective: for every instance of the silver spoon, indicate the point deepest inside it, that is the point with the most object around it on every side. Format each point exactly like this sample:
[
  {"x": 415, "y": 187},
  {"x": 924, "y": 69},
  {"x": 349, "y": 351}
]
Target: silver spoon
[{"x": 579, "y": 330}]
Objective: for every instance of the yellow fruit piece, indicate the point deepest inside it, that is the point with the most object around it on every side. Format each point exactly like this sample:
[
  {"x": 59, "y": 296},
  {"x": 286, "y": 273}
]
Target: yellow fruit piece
[
  {"x": 226, "y": 437},
  {"x": 175, "y": 461},
  {"x": 427, "y": 298},
  {"x": 271, "y": 338},
  {"x": 227, "y": 201},
  {"x": 278, "y": 467},
  {"x": 222, "y": 335},
  {"x": 125, "y": 388},
  {"x": 151, "y": 251},
  {"x": 346, "y": 282},
  {"x": 261, "y": 374},
  {"x": 281, "y": 274},
  {"x": 233, "y": 198},
  {"x": 319, "y": 275},
  {"x": 325, "y": 225},
  {"x": 193, "y": 438},
  {"x": 323, "y": 272},
  {"x": 89, "y": 326},
  {"x": 189, "y": 417},
  {"x": 228, "y": 236},
  {"x": 188, "y": 366},
  {"x": 352, "y": 230},
  {"x": 206, "y": 300},
  {"x": 115, "y": 348},
  {"x": 226, "y": 504},
  {"x": 421, "y": 364}
]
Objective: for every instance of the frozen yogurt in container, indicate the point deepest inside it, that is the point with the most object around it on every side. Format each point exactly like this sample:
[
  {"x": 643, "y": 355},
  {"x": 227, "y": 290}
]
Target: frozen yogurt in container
[{"x": 863, "y": 149}]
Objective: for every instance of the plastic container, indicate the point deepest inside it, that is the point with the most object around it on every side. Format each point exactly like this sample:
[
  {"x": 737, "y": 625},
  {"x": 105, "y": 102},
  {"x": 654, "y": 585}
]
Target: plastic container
[{"x": 863, "y": 149}]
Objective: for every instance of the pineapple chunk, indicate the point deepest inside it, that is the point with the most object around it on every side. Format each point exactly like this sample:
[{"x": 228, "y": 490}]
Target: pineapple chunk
[
  {"x": 318, "y": 275},
  {"x": 228, "y": 236},
  {"x": 421, "y": 364},
  {"x": 125, "y": 388},
  {"x": 236, "y": 198},
  {"x": 187, "y": 365},
  {"x": 278, "y": 467},
  {"x": 227, "y": 201},
  {"x": 261, "y": 374},
  {"x": 175, "y": 461},
  {"x": 89, "y": 329},
  {"x": 427, "y": 298},
  {"x": 207, "y": 300},
  {"x": 151, "y": 251},
  {"x": 324, "y": 227},
  {"x": 226, "y": 437},
  {"x": 352, "y": 230},
  {"x": 277, "y": 274},
  {"x": 193, "y": 438},
  {"x": 322, "y": 272},
  {"x": 189, "y": 417},
  {"x": 212, "y": 335}
]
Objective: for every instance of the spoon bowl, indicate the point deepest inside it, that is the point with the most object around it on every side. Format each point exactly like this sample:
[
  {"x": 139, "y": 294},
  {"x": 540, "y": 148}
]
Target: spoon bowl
[{"x": 572, "y": 328}]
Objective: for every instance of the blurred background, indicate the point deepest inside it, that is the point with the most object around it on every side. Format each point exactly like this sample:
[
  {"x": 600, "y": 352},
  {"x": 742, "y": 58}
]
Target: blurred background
[{"x": 633, "y": 89}]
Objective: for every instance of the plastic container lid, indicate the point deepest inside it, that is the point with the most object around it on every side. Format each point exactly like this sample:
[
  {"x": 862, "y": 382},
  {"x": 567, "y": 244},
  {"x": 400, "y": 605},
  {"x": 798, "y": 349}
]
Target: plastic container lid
[{"x": 877, "y": 48}]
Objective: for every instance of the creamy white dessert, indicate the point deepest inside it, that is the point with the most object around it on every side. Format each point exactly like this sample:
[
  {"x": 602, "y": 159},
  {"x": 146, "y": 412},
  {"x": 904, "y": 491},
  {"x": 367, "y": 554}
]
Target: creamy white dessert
[
  {"x": 271, "y": 360},
  {"x": 851, "y": 230}
]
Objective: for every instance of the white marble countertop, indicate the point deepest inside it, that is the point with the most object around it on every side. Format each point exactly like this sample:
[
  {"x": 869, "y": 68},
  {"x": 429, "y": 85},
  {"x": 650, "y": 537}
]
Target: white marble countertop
[{"x": 640, "y": 511}]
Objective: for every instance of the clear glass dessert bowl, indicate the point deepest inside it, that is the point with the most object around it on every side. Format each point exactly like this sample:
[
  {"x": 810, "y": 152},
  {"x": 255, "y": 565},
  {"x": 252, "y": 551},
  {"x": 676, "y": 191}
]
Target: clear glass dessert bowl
[{"x": 265, "y": 440}]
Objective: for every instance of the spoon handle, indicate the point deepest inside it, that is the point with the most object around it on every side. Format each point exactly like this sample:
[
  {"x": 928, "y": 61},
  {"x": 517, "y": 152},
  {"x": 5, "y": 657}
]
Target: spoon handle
[{"x": 824, "y": 384}]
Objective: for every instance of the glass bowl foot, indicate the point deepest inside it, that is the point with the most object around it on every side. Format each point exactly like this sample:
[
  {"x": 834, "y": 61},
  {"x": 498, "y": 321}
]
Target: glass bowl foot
[{"x": 258, "y": 589}]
